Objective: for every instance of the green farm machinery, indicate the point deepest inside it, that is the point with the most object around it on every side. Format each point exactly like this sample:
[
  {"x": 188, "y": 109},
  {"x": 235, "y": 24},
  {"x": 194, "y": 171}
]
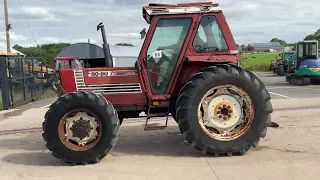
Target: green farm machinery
[
  {"x": 307, "y": 64},
  {"x": 285, "y": 64}
]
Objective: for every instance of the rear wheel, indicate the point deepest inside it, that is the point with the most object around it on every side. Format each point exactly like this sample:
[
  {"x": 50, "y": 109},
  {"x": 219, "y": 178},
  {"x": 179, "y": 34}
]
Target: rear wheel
[
  {"x": 224, "y": 109},
  {"x": 81, "y": 128}
]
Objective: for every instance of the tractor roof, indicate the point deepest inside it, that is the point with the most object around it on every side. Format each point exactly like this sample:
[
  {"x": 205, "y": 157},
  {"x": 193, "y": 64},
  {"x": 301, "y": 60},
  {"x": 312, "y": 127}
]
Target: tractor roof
[{"x": 154, "y": 9}]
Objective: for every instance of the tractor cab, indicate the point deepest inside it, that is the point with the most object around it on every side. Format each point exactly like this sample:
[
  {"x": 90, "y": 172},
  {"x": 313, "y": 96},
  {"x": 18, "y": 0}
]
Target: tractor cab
[
  {"x": 67, "y": 63},
  {"x": 289, "y": 56},
  {"x": 307, "y": 55}
]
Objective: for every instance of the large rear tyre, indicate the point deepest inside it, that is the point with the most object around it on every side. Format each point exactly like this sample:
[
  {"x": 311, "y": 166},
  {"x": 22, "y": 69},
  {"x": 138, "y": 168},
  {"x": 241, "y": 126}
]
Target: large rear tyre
[
  {"x": 81, "y": 128},
  {"x": 224, "y": 109}
]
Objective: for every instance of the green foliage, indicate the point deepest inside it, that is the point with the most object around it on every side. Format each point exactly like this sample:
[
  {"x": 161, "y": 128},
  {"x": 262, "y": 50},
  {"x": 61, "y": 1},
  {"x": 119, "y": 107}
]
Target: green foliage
[
  {"x": 313, "y": 36},
  {"x": 46, "y": 51},
  {"x": 282, "y": 42},
  {"x": 125, "y": 44}
]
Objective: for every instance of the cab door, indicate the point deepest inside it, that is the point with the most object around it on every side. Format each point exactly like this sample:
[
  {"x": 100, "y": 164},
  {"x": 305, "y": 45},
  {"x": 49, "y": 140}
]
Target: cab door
[{"x": 163, "y": 51}]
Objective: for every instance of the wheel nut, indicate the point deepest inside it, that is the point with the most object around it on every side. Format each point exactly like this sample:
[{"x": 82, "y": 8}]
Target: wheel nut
[
  {"x": 229, "y": 115},
  {"x": 224, "y": 106},
  {"x": 220, "y": 116},
  {"x": 218, "y": 112},
  {"x": 224, "y": 118},
  {"x": 230, "y": 111},
  {"x": 228, "y": 107}
]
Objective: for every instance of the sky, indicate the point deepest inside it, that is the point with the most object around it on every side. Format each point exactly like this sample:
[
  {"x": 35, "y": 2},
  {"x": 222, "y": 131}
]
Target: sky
[{"x": 75, "y": 21}]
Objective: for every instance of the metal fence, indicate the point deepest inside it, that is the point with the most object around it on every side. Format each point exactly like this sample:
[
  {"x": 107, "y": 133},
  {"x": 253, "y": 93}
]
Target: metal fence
[{"x": 26, "y": 78}]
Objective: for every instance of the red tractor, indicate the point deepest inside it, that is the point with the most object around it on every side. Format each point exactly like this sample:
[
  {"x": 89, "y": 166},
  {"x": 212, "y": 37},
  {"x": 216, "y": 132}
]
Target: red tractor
[
  {"x": 63, "y": 63},
  {"x": 67, "y": 63},
  {"x": 187, "y": 67}
]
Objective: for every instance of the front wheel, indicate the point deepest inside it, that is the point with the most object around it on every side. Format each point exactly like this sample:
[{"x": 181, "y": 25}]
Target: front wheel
[
  {"x": 280, "y": 70},
  {"x": 224, "y": 109},
  {"x": 81, "y": 128}
]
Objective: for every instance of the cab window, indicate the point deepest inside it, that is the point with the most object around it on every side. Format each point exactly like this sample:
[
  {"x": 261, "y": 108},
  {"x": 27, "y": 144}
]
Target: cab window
[
  {"x": 59, "y": 64},
  {"x": 209, "y": 37}
]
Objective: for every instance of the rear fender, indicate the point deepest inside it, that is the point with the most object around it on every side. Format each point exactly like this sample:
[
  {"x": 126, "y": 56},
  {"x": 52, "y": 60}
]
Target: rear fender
[{"x": 187, "y": 71}]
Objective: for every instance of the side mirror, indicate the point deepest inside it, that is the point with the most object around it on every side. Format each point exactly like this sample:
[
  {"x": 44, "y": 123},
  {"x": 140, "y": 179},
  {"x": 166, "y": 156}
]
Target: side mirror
[{"x": 143, "y": 33}]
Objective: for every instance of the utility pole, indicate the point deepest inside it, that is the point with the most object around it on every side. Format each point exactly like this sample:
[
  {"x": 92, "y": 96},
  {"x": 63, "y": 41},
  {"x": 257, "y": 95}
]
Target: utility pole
[{"x": 8, "y": 26}]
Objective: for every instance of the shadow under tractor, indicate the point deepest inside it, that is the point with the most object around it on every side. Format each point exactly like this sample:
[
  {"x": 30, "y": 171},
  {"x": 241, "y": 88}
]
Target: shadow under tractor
[{"x": 187, "y": 67}]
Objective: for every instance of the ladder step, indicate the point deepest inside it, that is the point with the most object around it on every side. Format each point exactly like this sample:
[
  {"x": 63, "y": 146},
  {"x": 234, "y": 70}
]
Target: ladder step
[
  {"x": 154, "y": 127},
  {"x": 157, "y": 115}
]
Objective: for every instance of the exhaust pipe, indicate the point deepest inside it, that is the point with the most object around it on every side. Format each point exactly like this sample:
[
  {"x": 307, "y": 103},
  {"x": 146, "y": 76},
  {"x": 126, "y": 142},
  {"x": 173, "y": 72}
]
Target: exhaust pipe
[{"x": 105, "y": 45}]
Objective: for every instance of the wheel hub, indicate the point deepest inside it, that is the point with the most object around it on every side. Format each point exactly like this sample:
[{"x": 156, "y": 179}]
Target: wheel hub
[
  {"x": 81, "y": 128},
  {"x": 222, "y": 113},
  {"x": 225, "y": 112}
]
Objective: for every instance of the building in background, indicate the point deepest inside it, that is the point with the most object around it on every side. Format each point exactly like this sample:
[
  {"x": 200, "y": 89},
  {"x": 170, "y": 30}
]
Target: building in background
[
  {"x": 123, "y": 56},
  {"x": 265, "y": 47}
]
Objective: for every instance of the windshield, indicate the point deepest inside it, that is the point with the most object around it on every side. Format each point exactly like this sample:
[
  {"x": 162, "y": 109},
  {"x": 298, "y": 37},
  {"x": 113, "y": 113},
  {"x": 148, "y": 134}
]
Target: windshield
[
  {"x": 289, "y": 56},
  {"x": 311, "y": 49}
]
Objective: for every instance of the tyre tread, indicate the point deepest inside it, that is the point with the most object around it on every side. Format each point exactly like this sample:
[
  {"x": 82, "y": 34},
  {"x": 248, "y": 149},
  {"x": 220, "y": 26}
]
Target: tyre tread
[
  {"x": 191, "y": 86},
  {"x": 84, "y": 96}
]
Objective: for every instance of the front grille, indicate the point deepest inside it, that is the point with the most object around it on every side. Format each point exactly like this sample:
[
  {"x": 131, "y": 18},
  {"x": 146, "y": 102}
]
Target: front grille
[{"x": 105, "y": 88}]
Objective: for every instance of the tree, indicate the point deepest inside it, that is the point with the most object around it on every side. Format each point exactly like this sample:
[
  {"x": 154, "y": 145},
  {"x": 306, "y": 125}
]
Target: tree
[
  {"x": 313, "y": 36},
  {"x": 125, "y": 44},
  {"x": 46, "y": 51},
  {"x": 282, "y": 42}
]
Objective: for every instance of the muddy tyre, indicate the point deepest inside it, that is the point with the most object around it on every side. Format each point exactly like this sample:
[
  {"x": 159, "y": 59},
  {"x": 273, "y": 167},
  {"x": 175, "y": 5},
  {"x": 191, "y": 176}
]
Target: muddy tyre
[
  {"x": 224, "y": 110},
  {"x": 81, "y": 128}
]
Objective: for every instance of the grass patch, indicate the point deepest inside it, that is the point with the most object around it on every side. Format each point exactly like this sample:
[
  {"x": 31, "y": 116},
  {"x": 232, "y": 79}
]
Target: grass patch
[
  {"x": 48, "y": 93},
  {"x": 259, "y": 61}
]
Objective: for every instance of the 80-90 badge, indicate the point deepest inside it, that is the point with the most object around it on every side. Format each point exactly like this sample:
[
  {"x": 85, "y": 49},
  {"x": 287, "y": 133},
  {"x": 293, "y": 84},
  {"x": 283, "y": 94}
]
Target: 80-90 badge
[{"x": 111, "y": 73}]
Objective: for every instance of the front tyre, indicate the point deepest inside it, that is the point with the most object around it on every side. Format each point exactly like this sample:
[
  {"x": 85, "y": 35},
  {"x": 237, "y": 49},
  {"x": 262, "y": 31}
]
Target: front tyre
[
  {"x": 224, "y": 109},
  {"x": 281, "y": 70},
  {"x": 81, "y": 128}
]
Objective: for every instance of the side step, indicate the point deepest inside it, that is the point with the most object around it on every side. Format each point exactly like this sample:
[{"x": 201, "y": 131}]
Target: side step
[{"x": 156, "y": 127}]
